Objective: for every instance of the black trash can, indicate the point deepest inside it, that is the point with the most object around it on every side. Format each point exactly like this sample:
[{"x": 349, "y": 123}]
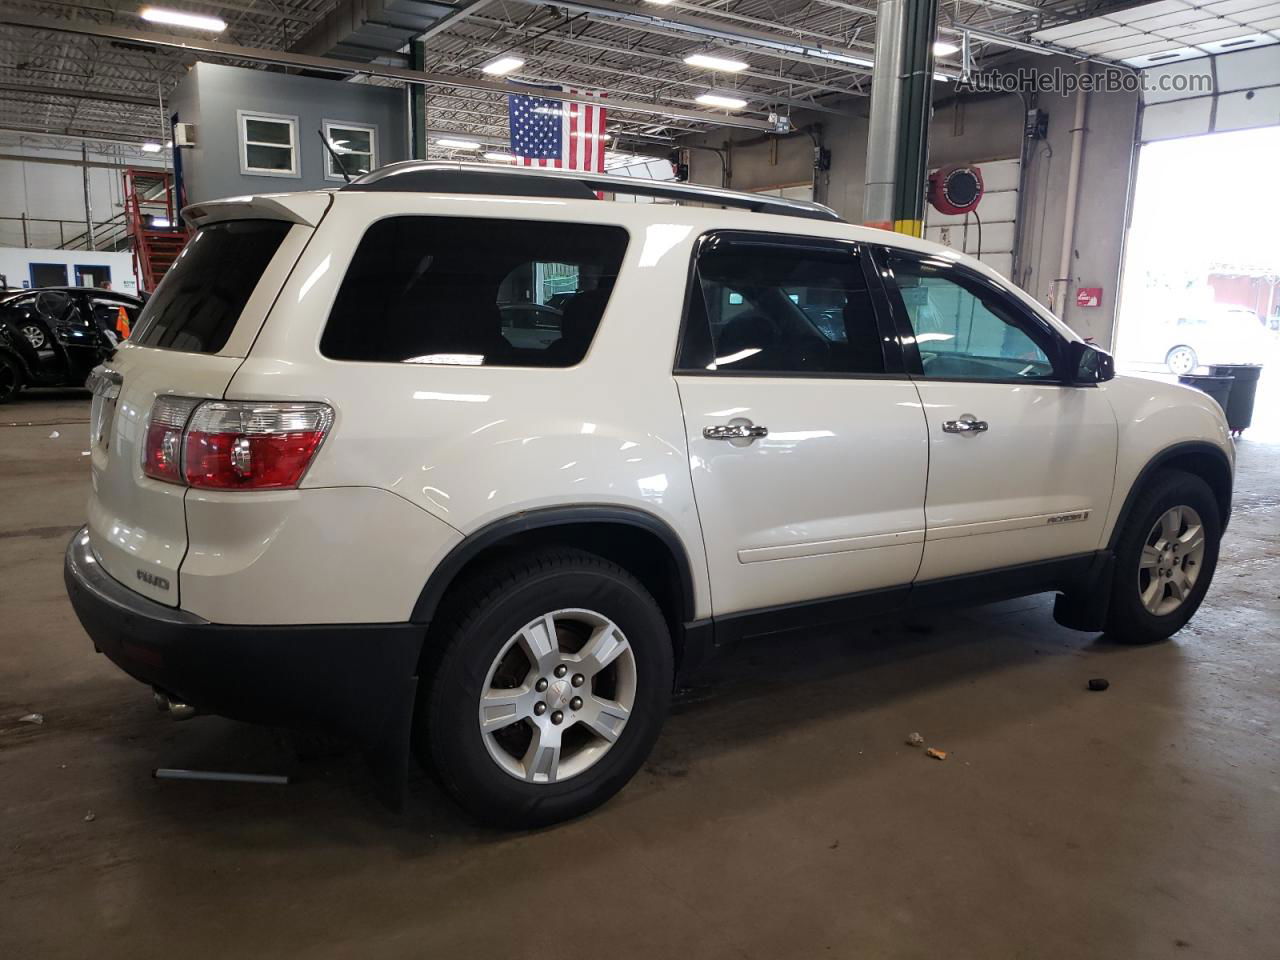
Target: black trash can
[
  {"x": 1244, "y": 390},
  {"x": 1215, "y": 385}
]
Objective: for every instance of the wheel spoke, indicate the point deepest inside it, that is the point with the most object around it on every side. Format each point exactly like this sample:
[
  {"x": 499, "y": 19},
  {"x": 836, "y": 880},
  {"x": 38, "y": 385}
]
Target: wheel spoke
[
  {"x": 539, "y": 640},
  {"x": 1192, "y": 540},
  {"x": 1150, "y": 558},
  {"x": 1178, "y": 586},
  {"x": 604, "y": 718},
  {"x": 1171, "y": 524},
  {"x": 1154, "y": 593},
  {"x": 542, "y": 759},
  {"x": 501, "y": 708},
  {"x": 603, "y": 647}
]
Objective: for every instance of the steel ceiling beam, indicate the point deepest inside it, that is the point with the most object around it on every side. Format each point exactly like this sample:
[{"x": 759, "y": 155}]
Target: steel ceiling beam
[
  {"x": 700, "y": 26},
  {"x": 767, "y": 96},
  {"x": 656, "y": 57},
  {"x": 451, "y": 20},
  {"x": 78, "y": 94},
  {"x": 329, "y": 65}
]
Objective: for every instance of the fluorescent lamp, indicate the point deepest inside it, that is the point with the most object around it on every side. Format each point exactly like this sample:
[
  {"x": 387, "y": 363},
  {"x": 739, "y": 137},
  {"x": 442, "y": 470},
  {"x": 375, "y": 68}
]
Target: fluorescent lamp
[
  {"x": 661, "y": 3},
  {"x": 458, "y": 144},
  {"x": 151, "y": 148},
  {"x": 499, "y": 157},
  {"x": 160, "y": 222},
  {"x": 944, "y": 49},
  {"x": 721, "y": 100},
  {"x": 177, "y": 18},
  {"x": 501, "y": 66},
  {"x": 714, "y": 63}
]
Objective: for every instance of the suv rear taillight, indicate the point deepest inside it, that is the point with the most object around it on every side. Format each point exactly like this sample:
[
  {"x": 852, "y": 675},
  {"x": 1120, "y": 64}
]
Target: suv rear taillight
[
  {"x": 162, "y": 452},
  {"x": 230, "y": 445}
]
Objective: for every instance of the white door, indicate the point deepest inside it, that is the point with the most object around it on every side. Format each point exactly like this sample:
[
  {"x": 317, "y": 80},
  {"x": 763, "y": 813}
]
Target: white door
[
  {"x": 808, "y": 452},
  {"x": 1021, "y": 463}
]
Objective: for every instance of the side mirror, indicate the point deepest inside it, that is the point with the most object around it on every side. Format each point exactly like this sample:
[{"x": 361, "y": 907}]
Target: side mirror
[{"x": 1089, "y": 364}]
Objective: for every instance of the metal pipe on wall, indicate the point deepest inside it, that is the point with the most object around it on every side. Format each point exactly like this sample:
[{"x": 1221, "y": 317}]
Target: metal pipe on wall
[
  {"x": 90, "y": 243},
  {"x": 1063, "y": 281},
  {"x": 886, "y": 108}
]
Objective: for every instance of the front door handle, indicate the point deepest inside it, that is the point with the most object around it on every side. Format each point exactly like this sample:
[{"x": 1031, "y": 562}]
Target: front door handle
[
  {"x": 736, "y": 429},
  {"x": 967, "y": 424}
]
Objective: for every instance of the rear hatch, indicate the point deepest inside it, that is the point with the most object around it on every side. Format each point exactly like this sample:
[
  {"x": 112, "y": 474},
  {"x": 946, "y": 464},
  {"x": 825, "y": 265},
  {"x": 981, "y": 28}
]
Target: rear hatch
[{"x": 189, "y": 341}]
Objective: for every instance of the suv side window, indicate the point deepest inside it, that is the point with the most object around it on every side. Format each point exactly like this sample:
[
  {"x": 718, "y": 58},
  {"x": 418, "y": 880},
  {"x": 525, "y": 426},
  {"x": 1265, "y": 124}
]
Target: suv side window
[
  {"x": 759, "y": 306},
  {"x": 474, "y": 292},
  {"x": 965, "y": 329}
]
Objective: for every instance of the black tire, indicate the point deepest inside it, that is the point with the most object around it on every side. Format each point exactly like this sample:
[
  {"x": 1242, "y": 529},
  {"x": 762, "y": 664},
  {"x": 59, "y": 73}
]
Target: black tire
[
  {"x": 476, "y": 622},
  {"x": 1128, "y": 620},
  {"x": 10, "y": 378}
]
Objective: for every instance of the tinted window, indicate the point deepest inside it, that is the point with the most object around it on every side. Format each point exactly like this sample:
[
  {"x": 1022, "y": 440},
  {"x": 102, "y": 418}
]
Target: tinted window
[
  {"x": 965, "y": 330},
  {"x": 758, "y": 307},
  {"x": 198, "y": 302},
  {"x": 114, "y": 317},
  {"x": 445, "y": 290}
]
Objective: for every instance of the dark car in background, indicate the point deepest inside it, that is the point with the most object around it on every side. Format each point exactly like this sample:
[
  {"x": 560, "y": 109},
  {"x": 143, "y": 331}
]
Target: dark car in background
[{"x": 53, "y": 337}]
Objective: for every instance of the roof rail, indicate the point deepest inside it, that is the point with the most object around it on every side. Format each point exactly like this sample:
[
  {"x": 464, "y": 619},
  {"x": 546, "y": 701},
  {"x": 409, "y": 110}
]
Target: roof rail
[{"x": 441, "y": 176}]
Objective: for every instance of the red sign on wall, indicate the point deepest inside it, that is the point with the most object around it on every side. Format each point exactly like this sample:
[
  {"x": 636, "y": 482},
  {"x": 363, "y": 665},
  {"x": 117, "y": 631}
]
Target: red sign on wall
[{"x": 1089, "y": 297}]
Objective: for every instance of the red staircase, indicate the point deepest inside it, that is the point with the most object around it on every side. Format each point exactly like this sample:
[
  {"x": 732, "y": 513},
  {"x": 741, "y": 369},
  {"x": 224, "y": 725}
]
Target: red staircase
[{"x": 155, "y": 232}]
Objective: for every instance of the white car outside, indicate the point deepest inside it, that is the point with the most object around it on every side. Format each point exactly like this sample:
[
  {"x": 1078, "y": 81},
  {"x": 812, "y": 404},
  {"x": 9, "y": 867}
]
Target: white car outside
[
  {"x": 1211, "y": 336},
  {"x": 330, "y": 488}
]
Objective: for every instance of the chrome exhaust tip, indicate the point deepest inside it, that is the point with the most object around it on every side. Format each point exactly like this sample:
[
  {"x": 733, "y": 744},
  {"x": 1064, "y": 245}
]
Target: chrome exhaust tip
[{"x": 175, "y": 710}]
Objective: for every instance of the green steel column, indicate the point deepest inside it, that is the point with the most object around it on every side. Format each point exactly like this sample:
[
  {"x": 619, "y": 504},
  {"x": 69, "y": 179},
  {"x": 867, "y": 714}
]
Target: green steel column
[
  {"x": 417, "y": 104},
  {"x": 920, "y": 18}
]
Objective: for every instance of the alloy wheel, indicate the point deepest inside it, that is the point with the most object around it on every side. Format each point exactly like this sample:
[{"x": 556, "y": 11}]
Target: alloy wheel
[
  {"x": 558, "y": 696},
  {"x": 1171, "y": 560},
  {"x": 34, "y": 335}
]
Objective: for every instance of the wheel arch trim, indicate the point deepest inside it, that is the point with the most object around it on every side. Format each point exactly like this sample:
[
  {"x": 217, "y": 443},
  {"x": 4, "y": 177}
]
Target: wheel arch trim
[
  {"x": 548, "y": 518},
  {"x": 1161, "y": 460}
]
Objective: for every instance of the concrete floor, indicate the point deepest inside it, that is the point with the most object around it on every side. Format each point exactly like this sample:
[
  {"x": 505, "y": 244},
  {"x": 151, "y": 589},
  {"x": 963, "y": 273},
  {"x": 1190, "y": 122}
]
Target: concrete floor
[{"x": 781, "y": 815}]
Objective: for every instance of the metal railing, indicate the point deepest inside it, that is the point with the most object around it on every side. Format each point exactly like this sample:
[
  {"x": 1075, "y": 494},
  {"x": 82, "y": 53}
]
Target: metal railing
[{"x": 52, "y": 234}]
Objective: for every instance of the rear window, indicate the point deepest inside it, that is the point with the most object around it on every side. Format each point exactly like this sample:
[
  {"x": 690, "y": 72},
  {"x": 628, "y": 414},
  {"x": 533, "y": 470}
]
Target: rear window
[
  {"x": 198, "y": 302},
  {"x": 476, "y": 292}
]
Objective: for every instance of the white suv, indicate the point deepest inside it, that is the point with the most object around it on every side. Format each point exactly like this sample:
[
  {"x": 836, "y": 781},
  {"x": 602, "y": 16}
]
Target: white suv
[{"x": 473, "y": 461}]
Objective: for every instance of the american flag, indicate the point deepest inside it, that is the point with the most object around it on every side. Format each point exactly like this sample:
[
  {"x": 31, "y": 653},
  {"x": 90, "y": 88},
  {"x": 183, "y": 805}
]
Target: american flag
[{"x": 557, "y": 133}]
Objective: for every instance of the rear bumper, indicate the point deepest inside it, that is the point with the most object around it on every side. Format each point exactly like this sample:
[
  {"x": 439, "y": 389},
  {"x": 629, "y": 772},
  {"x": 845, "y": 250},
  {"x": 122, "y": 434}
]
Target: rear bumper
[{"x": 356, "y": 680}]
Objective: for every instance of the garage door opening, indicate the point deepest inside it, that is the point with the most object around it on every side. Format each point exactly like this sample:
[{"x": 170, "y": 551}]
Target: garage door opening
[{"x": 1201, "y": 283}]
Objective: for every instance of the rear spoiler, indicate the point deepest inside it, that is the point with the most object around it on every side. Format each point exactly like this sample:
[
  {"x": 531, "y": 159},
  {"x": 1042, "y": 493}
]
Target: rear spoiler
[{"x": 305, "y": 208}]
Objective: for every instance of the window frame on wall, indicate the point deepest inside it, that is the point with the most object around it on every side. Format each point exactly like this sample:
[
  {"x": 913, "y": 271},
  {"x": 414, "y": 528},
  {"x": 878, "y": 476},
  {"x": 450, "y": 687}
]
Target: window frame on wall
[
  {"x": 370, "y": 128},
  {"x": 242, "y": 135}
]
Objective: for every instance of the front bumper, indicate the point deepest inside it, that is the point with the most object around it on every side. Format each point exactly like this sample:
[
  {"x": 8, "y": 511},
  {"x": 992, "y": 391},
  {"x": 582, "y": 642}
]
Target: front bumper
[{"x": 354, "y": 680}]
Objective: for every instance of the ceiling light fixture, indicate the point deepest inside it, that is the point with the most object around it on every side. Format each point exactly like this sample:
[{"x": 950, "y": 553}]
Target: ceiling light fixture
[
  {"x": 943, "y": 49},
  {"x": 721, "y": 100},
  {"x": 151, "y": 148},
  {"x": 499, "y": 157},
  {"x": 501, "y": 66},
  {"x": 710, "y": 62},
  {"x": 177, "y": 18},
  {"x": 452, "y": 144}
]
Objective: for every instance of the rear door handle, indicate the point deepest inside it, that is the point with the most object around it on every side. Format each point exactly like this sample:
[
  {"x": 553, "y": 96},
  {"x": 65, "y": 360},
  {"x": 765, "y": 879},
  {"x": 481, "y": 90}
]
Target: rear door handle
[{"x": 967, "y": 424}]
